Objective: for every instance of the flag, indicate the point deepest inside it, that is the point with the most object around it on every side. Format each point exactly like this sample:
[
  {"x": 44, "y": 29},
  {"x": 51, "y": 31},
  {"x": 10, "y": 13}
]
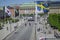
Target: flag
[
  {"x": 7, "y": 11},
  {"x": 42, "y": 7}
]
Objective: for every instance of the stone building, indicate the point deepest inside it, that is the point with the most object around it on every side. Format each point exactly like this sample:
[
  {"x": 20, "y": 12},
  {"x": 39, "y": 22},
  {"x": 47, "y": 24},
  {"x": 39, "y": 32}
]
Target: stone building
[
  {"x": 29, "y": 8},
  {"x": 54, "y": 7}
]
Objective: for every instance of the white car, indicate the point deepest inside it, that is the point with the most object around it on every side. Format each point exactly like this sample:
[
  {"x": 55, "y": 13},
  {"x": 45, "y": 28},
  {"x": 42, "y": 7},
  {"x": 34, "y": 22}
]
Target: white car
[
  {"x": 42, "y": 38},
  {"x": 29, "y": 17}
]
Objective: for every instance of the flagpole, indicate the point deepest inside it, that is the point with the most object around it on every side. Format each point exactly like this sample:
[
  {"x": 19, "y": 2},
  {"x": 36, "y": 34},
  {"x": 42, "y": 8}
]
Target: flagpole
[
  {"x": 36, "y": 13},
  {"x": 35, "y": 21},
  {"x": 3, "y": 13}
]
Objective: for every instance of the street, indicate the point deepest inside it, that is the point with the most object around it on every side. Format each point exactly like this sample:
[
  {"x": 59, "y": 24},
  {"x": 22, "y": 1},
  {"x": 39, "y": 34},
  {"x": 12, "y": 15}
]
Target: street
[
  {"x": 23, "y": 33},
  {"x": 30, "y": 20},
  {"x": 27, "y": 29}
]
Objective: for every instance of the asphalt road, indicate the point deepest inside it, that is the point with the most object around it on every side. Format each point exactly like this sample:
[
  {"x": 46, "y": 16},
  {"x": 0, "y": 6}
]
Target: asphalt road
[{"x": 23, "y": 33}]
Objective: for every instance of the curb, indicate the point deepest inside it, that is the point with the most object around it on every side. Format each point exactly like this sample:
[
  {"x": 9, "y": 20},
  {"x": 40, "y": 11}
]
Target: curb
[{"x": 11, "y": 33}]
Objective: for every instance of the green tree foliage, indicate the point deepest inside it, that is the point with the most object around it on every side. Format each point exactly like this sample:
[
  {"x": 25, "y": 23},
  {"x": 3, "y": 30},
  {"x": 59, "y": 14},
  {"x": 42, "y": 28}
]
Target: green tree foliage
[{"x": 54, "y": 20}]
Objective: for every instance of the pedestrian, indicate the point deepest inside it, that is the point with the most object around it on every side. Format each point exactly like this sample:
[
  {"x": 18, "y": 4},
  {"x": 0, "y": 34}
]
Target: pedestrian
[
  {"x": 29, "y": 24},
  {"x": 15, "y": 28},
  {"x": 38, "y": 29},
  {"x": 39, "y": 22},
  {"x": 46, "y": 28},
  {"x": 25, "y": 24}
]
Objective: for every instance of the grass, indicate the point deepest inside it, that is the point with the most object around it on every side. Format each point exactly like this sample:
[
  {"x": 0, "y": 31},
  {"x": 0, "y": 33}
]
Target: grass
[
  {"x": 54, "y": 20},
  {"x": 40, "y": 14},
  {"x": 14, "y": 20}
]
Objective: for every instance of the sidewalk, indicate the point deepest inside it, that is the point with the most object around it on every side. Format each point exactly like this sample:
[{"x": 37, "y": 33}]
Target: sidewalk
[
  {"x": 5, "y": 32},
  {"x": 43, "y": 31}
]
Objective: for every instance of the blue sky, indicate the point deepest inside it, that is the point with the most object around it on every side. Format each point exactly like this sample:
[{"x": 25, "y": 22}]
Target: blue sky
[{"x": 7, "y": 2}]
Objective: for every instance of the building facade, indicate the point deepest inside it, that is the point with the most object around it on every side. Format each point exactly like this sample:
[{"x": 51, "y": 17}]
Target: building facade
[{"x": 54, "y": 7}]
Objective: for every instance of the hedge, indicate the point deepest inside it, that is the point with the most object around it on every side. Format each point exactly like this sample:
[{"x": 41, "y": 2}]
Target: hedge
[{"x": 54, "y": 20}]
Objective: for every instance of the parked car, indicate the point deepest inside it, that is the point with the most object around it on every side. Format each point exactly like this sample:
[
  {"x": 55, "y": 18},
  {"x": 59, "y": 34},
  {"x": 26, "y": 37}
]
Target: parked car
[
  {"x": 31, "y": 18},
  {"x": 56, "y": 35}
]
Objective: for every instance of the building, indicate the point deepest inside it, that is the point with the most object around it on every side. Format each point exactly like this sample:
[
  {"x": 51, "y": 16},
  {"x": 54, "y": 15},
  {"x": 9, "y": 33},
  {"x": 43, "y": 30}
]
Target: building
[
  {"x": 22, "y": 9},
  {"x": 29, "y": 8},
  {"x": 54, "y": 7}
]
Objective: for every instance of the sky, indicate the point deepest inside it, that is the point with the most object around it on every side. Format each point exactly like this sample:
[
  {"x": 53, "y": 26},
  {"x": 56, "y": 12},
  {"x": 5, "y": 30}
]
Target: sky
[{"x": 9, "y": 2}]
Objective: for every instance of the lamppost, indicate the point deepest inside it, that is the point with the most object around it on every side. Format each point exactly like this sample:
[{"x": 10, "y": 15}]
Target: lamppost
[
  {"x": 35, "y": 21},
  {"x": 10, "y": 24}
]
